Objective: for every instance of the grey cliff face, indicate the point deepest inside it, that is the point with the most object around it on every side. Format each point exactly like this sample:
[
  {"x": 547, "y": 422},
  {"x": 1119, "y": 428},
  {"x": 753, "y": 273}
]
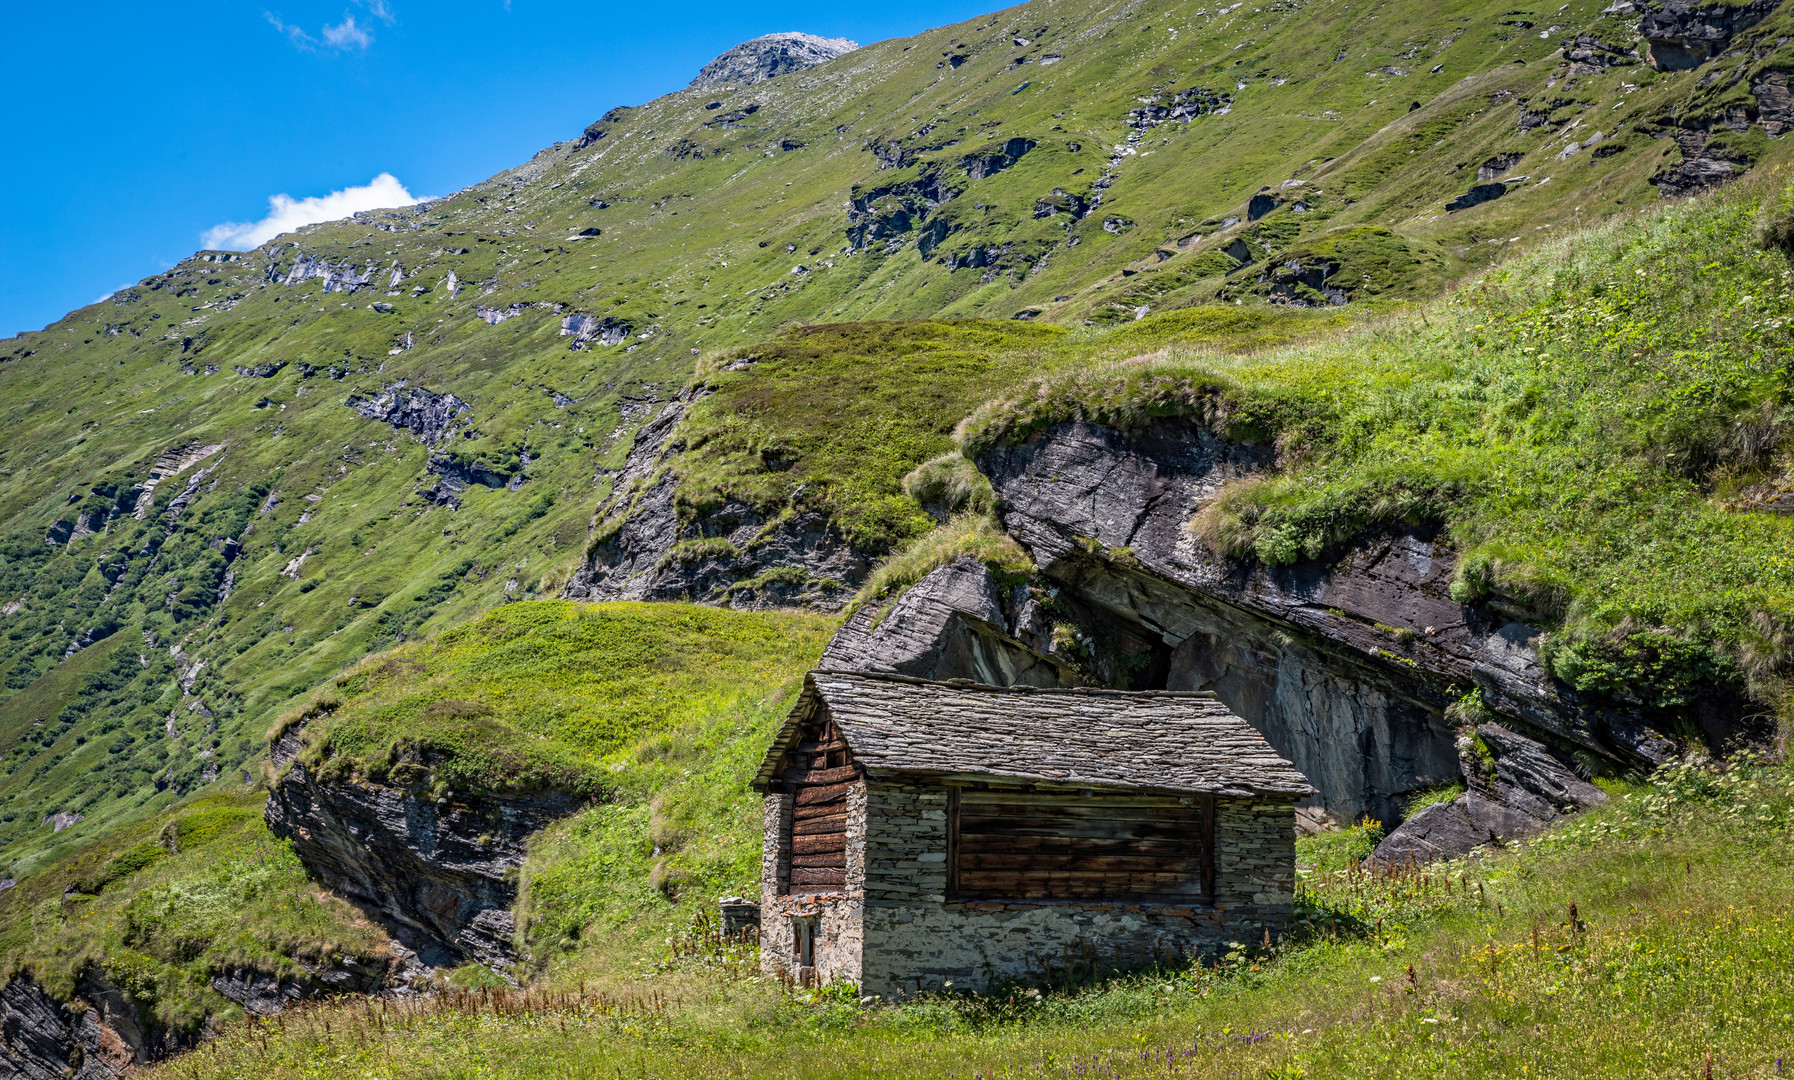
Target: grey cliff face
[
  {"x": 100, "y": 1034},
  {"x": 1681, "y": 35},
  {"x": 1527, "y": 786},
  {"x": 770, "y": 56},
  {"x": 439, "y": 875},
  {"x": 43, "y": 1039},
  {"x": 1345, "y": 665}
]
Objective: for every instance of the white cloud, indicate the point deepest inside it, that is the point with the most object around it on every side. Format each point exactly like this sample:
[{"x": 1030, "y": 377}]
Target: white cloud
[
  {"x": 294, "y": 34},
  {"x": 286, "y": 213},
  {"x": 342, "y": 37},
  {"x": 378, "y": 9},
  {"x": 346, "y": 35}
]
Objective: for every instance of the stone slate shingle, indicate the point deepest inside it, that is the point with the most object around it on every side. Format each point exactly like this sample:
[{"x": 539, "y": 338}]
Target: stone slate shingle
[{"x": 1161, "y": 741}]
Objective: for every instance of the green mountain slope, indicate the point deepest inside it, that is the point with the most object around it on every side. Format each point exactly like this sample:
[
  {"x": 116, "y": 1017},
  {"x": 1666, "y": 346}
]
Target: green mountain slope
[{"x": 233, "y": 480}]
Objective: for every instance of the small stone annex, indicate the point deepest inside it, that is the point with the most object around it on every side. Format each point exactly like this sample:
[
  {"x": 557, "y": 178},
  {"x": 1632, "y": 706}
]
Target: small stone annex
[{"x": 922, "y": 834}]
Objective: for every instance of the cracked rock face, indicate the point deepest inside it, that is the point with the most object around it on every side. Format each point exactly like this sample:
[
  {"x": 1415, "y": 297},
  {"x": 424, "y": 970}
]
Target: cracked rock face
[
  {"x": 430, "y": 417},
  {"x": 1529, "y": 785},
  {"x": 1346, "y": 665},
  {"x": 1683, "y": 35},
  {"x": 953, "y": 624},
  {"x": 770, "y": 56},
  {"x": 101, "y": 1034},
  {"x": 439, "y": 875}
]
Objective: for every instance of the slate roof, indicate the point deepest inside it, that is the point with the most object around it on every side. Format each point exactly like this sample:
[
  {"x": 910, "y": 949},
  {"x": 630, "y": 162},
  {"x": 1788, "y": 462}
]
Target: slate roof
[{"x": 1162, "y": 741}]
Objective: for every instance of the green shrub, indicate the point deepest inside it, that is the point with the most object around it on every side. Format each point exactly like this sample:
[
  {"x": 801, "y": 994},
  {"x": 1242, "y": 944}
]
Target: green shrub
[{"x": 1335, "y": 849}]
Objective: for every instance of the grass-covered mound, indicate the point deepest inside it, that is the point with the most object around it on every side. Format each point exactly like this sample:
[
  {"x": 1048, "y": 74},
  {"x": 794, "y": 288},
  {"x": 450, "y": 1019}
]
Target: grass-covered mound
[
  {"x": 542, "y": 694},
  {"x": 662, "y": 711},
  {"x": 161, "y": 907},
  {"x": 1600, "y": 426},
  {"x": 834, "y": 417},
  {"x": 1649, "y": 938}
]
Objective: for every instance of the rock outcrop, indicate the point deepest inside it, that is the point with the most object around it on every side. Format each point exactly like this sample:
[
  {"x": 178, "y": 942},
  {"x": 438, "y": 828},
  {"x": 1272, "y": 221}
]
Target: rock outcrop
[
  {"x": 770, "y": 56},
  {"x": 100, "y": 1033},
  {"x": 439, "y": 874},
  {"x": 1345, "y": 664},
  {"x": 431, "y": 418},
  {"x": 953, "y": 624},
  {"x": 1681, "y": 35},
  {"x": 734, "y": 554},
  {"x": 44, "y": 1039},
  {"x": 1518, "y": 786}
]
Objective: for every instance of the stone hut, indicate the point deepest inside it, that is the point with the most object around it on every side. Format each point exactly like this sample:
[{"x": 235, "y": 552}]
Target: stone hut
[{"x": 920, "y": 833}]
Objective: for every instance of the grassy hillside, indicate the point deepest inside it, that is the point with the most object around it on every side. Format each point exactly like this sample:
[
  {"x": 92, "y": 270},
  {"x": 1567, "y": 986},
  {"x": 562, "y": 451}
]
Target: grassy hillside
[
  {"x": 836, "y": 416},
  {"x": 562, "y": 302},
  {"x": 162, "y": 907},
  {"x": 1601, "y": 426},
  {"x": 659, "y": 711},
  {"x": 1646, "y": 939},
  {"x": 663, "y": 710}
]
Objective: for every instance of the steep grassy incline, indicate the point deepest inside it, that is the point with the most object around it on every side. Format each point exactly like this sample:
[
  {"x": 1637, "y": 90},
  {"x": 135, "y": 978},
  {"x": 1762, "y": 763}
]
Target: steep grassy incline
[
  {"x": 164, "y": 910},
  {"x": 658, "y": 712},
  {"x": 247, "y": 473},
  {"x": 1601, "y": 427}
]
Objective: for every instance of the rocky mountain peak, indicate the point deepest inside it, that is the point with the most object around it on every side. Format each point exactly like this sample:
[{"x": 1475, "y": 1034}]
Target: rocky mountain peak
[{"x": 770, "y": 55}]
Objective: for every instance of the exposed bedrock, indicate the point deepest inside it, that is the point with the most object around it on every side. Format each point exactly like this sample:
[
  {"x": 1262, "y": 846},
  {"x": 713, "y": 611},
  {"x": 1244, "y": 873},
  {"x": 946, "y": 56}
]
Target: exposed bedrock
[
  {"x": 1521, "y": 786},
  {"x": 1346, "y": 665},
  {"x": 733, "y": 554},
  {"x": 104, "y": 1032},
  {"x": 44, "y": 1039},
  {"x": 99, "y": 1034},
  {"x": 768, "y": 57},
  {"x": 1683, "y": 35},
  {"x": 440, "y": 875},
  {"x": 953, "y": 624}
]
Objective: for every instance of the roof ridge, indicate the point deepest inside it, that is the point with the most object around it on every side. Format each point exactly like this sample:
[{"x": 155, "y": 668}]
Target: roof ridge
[{"x": 968, "y": 684}]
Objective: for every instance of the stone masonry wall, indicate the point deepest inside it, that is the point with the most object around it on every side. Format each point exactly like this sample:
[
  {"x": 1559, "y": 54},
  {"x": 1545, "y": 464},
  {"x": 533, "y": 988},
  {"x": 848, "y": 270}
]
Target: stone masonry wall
[
  {"x": 913, "y": 939},
  {"x": 838, "y": 914}
]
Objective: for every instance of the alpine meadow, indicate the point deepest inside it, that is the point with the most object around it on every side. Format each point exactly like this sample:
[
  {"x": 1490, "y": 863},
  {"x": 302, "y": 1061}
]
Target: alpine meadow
[{"x": 1116, "y": 538}]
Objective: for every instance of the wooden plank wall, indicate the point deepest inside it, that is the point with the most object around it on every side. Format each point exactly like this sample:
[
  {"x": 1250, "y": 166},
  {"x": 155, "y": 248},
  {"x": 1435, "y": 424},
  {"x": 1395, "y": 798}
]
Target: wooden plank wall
[
  {"x": 1035, "y": 846},
  {"x": 820, "y": 773}
]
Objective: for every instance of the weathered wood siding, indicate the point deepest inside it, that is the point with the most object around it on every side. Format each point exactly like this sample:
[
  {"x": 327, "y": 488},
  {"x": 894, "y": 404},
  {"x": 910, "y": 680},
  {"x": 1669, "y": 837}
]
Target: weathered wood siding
[
  {"x": 1018, "y": 845},
  {"x": 819, "y": 774}
]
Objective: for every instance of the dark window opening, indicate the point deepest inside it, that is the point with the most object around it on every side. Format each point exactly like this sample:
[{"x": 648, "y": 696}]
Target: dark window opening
[
  {"x": 1034, "y": 846},
  {"x": 804, "y": 930}
]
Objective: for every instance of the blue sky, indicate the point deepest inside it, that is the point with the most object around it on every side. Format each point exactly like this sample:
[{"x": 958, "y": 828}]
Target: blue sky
[{"x": 134, "y": 128}]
